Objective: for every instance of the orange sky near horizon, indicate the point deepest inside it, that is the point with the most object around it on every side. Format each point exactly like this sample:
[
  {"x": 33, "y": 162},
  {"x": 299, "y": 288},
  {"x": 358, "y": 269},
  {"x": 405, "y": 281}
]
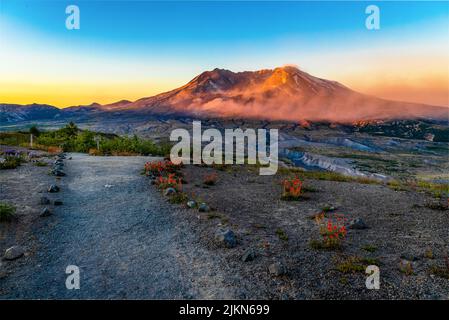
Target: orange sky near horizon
[
  {"x": 428, "y": 89},
  {"x": 404, "y": 62}
]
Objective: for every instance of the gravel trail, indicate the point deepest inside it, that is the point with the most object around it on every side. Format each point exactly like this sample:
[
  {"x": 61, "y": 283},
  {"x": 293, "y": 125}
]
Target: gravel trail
[{"x": 127, "y": 242}]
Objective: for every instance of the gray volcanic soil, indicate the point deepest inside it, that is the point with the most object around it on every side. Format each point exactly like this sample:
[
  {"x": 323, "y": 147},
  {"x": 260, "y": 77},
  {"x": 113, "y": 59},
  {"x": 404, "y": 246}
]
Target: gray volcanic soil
[
  {"x": 127, "y": 242},
  {"x": 401, "y": 225},
  {"x": 130, "y": 243}
]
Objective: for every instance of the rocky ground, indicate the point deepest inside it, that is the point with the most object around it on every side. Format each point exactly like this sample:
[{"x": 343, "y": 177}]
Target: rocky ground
[
  {"x": 130, "y": 242},
  {"x": 402, "y": 232}
]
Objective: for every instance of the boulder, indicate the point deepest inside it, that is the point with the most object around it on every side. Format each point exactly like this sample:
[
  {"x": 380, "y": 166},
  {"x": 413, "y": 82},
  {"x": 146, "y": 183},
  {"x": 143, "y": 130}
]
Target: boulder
[
  {"x": 58, "y": 173},
  {"x": 13, "y": 253},
  {"x": 45, "y": 212},
  {"x": 226, "y": 237},
  {"x": 203, "y": 207},
  {"x": 53, "y": 188},
  {"x": 191, "y": 204},
  {"x": 276, "y": 269},
  {"x": 169, "y": 191},
  {"x": 248, "y": 255}
]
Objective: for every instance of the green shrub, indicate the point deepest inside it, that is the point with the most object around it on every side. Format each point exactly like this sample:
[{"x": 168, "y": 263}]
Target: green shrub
[
  {"x": 178, "y": 198},
  {"x": 354, "y": 264},
  {"x": 322, "y": 245},
  {"x": 11, "y": 162},
  {"x": 34, "y": 131},
  {"x": 369, "y": 248},
  {"x": 281, "y": 234},
  {"x": 40, "y": 164},
  {"x": 7, "y": 211},
  {"x": 133, "y": 145},
  {"x": 72, "y": 139},
  {"x": 14, "y": 138}
]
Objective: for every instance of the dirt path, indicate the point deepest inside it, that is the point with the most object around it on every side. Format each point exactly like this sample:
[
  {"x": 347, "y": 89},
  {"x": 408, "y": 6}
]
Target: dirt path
[{"x": 127, "y": 242}]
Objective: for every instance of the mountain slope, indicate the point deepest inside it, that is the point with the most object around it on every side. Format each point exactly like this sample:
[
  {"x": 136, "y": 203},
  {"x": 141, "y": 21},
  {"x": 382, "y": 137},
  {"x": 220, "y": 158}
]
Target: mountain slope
[
  {"x": 17, "y": 113},
  {"x": 285, "y": 93}
]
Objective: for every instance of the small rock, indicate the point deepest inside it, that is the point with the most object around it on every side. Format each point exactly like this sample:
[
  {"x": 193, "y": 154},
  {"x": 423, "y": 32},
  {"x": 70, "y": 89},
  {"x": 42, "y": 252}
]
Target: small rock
[
  {"x": 58, "y": 173},
  {"x": 13, "y": 253},
  {"x": 248, "y": 255},
  {"x": 45, "y": 212},
  {"x": 53, "y": 188},
  {"x": 358, "y": 223},
  {"x": 276, "y": 269},
  {"x": 58, "y": 168},
  {"x": 70, "y": 158},
  {"x": 57, "y": 202},
  {"x": 203, "y": 208},
  {"x": 191, "y": 204},
  {"x": 44, "y": 200},
  {"x": 169, "y": 191},
  {"x": 226, "y": 237}
]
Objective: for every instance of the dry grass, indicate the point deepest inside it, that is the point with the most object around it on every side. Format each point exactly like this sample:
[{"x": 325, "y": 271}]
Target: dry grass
[
  {"x": 354, "y": 264},
  {"x": 327, "y": 175}
]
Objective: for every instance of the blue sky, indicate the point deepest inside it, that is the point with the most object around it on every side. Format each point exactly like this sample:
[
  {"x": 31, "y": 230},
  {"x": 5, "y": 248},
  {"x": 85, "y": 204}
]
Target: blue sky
[
  {"x": 158, "y": 45},
  {"x": 191, "y": 24}
]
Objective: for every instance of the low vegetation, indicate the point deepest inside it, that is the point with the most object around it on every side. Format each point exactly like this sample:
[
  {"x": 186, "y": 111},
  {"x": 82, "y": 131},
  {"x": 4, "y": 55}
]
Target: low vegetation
[
  {"x": 40, "y": 164},
  {"x": 11, "y": 162},
  {"x": 171, "y": 181},
  {"x": 166, "y": 174},
  {"x": 408, "y": 129},
  {"x": 355, "y": 264},
  {"x": 332, "y": 231},
  {"x": 406, "y": 268},
  {"x": 72, "y": 139},
  {"x": 397, "y": 186},
  {"x": 437, "y": 190},
  {"x": 439, "y": 271},
  {"x": 281, "y": 234},
  {"x": 369, "y": 248},
  {"x": 327, "y": 175},
  {"x": 292, "y": 189},
  {"x": 157, "y": 168},
  {"x": 178, "y": 198}
]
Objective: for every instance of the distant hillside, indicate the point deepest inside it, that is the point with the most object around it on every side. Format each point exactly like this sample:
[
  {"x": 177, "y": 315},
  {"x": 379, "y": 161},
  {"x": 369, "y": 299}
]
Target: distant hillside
[{"x": 17, "y": 113}]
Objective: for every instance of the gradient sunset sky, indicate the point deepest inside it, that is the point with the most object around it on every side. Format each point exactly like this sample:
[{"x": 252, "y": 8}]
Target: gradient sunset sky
[{"x": 134, "y": 49}]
